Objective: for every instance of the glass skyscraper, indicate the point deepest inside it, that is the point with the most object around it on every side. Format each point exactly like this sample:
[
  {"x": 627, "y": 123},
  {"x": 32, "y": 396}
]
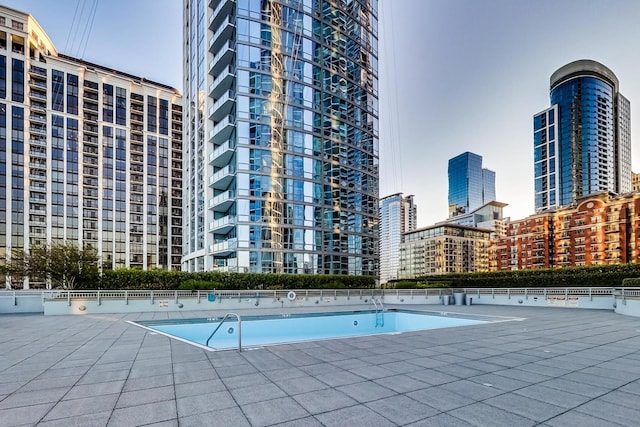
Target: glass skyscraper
[
  {"x": 470, "y": 186},
  {"x": 281, "y": 141},
  {"x": 582, "y": 143}
]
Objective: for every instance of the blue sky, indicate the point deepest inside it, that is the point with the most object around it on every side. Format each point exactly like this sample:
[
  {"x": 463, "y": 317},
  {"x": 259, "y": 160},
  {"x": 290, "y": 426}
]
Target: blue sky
[{"x": 455, "y": 75}]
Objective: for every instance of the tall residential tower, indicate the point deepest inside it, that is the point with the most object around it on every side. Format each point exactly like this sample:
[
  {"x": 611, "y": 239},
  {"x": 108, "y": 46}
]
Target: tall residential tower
[
  {"x": 398, "y": 215},
  {"x": 470, "y": 186},
  {"x": 281, "y": 141},
  {"x": 88, "y": 155},
  {"x": 582, "y": 143}
]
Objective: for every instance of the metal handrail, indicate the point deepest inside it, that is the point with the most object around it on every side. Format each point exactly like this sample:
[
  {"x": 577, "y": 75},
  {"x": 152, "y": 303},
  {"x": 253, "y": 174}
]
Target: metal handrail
[{"x": 239, "y": 329}]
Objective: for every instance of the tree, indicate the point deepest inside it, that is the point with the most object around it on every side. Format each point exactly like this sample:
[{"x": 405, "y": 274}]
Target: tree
[
  {"x": 63, "y": 264},
  {"x": 70, "y": 266}
]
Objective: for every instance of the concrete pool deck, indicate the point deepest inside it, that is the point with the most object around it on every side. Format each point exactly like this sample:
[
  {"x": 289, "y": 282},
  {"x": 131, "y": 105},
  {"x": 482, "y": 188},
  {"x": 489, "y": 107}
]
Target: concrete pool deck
[{"x": 557, "y": 367}]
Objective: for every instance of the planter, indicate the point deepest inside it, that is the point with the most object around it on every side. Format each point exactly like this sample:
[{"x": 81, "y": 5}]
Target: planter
[{"x": 459, "y": 298}]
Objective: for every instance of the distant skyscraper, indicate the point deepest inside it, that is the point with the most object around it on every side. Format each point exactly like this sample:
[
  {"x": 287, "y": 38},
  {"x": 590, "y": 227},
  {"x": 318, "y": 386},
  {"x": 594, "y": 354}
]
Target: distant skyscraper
[
  {"x": 582, "y": 143},
  {"x": 398, "y": 215},
  {"x": 281, "y": 141},
  {"x": 470, "y": 186},
  {"x": 88, "y": 155}
]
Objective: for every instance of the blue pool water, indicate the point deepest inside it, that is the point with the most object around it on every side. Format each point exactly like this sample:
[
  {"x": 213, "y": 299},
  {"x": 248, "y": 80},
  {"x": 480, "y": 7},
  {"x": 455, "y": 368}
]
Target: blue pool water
[{"x": 279, "y": 329}]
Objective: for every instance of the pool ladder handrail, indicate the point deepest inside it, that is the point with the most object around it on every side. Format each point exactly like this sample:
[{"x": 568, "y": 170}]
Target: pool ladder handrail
[
  {"x": 239, "y": 329},
  {"x": 379, "y": 311}
]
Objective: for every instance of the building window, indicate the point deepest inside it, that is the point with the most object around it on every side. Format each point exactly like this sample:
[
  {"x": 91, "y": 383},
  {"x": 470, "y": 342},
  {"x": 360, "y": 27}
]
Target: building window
[
  {"x": 72, "y": 94},
  {"x": 121, "y": 106},
  {"x": 152, "y": 114},
  {"x": 17, "y": 80},
  {"x": 57, "y": 90},
  {"x": 107, "y": 103}
]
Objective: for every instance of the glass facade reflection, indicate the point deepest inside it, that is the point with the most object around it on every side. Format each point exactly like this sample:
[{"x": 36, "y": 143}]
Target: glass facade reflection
[
  {"x": 282, "y": 136},
  {"x": 81, "y": 161},
  {"x": 582, "y": 144},
  {"x": 470, "y": 186}
]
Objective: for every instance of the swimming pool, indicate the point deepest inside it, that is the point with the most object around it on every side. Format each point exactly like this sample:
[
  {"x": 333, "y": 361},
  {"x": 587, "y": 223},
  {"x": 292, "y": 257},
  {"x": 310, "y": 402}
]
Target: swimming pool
[{"x": 288, "y": 328}]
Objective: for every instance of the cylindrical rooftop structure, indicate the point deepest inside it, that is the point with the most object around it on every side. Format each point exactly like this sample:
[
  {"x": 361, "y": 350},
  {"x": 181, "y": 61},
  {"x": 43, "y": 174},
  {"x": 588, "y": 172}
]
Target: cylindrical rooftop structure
[{"x": 583, "y": 67}]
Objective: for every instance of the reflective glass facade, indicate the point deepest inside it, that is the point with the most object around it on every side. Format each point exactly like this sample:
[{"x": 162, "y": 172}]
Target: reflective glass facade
[
  {"x": 470, "y": 186},
  {"x": 80, "y": 160},
  {"x": 282, "y": 136},
  {"x": 582, "y": 143}
]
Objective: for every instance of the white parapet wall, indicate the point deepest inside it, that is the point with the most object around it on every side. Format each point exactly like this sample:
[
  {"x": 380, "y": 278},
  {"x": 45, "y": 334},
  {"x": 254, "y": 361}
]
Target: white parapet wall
[{"x": 623, "y": 301}]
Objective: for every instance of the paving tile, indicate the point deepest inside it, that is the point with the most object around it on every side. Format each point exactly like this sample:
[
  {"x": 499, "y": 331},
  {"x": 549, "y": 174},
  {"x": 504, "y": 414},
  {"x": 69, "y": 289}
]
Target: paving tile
[
  {"x": 335, "y": 379},
  {"x": 241, "y": 381},
  {"x": 366, "y": 391},
  {"x": 143, "y": 414},
  {"x": 256, "y": 393},
  {"x": 633, "y": 387},
  {"x": 611, "y": 412},
  {"x": 554, "y": 396},
  {"x": 432, "y": 377},
  {"x": 401, "y": 409},
  {"x": 223, "y": 417},
  {"x": 618, "y": 397},
  {"x": 26, "y": 415},
  {"x": 499, "y": 382},
  {"x": 357, "y": 416},
  {"x": 274, "y": 411},
  {"x": 401, "y": 383},
  {"x": 204, "y": 403},
  {"x": 103, "y": 377},
  {"x": 148, "y": 382},
  {"x": 574, "y": 418},
  {"x": 295, "y": 386},
  {"x": 482, "y": 415},
  {"x": 142, "y": 397},
  {"x": 91, "y": 390},
  {"x": 34, "y": 397},
  {"x": 201, "y": 387},
  {"x": 97, "y": 419},
  {"x": 472, "y": 390},
  {"x": 440, "y": 399},
  {"x": 77, "y": 407},
  {"x": 301, "y": 422},
  {"x": 319, "y": 401},
  {"x": 529, "y": 408},
  {"x": 575, "y": 387},
  {"x": 48, "y": 383},
  {"x": 440, "y": 420}
]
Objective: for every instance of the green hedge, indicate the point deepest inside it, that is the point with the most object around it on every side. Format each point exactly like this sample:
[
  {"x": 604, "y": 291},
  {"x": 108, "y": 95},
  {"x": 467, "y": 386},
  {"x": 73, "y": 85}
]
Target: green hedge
[
  {"x": 591, "y": 276},
  {"x": 162, "y": 279}
]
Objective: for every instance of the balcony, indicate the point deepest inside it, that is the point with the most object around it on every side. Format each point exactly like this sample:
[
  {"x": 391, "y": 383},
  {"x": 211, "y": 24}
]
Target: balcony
[
  {"x": 223, "y": 106},
  {"x": 222, "y": 130},
  {"x": 221, "y": 179},
  {"x": 223, "y": 82},
  {"x": 37, "y": 95},
  {"x": 222, "y": 58},
  {"x": 38, "y": 84},
  {"x": 223, "y": 201},
  {"x": 222, "y": 33},
  {"x": 38, "y": 130},
  {"x": 38, "y": 119},
  {"x": 222, "y": 154},
  {"x": 223, "y": 225},
  {"x": 37, "y": 71},
  {"x": 38, "y": 153},
  {"x": 221, "y": 10},
  {"x": 225, "y": 247}
]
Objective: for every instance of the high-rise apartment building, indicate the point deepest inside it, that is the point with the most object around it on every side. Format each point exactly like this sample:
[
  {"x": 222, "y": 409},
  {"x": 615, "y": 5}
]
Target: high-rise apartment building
[
  {"x": 582, "y": 143},
  {"x": 398, "y": 214},
  {"x": 88, "y": 155},
  {"x": 470, "y": 186},
  {"x": 281, "y": 141}
]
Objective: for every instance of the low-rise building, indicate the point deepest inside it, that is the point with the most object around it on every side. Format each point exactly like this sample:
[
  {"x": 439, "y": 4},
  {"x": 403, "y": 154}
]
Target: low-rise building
[{"x": 445, "y": 248}]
